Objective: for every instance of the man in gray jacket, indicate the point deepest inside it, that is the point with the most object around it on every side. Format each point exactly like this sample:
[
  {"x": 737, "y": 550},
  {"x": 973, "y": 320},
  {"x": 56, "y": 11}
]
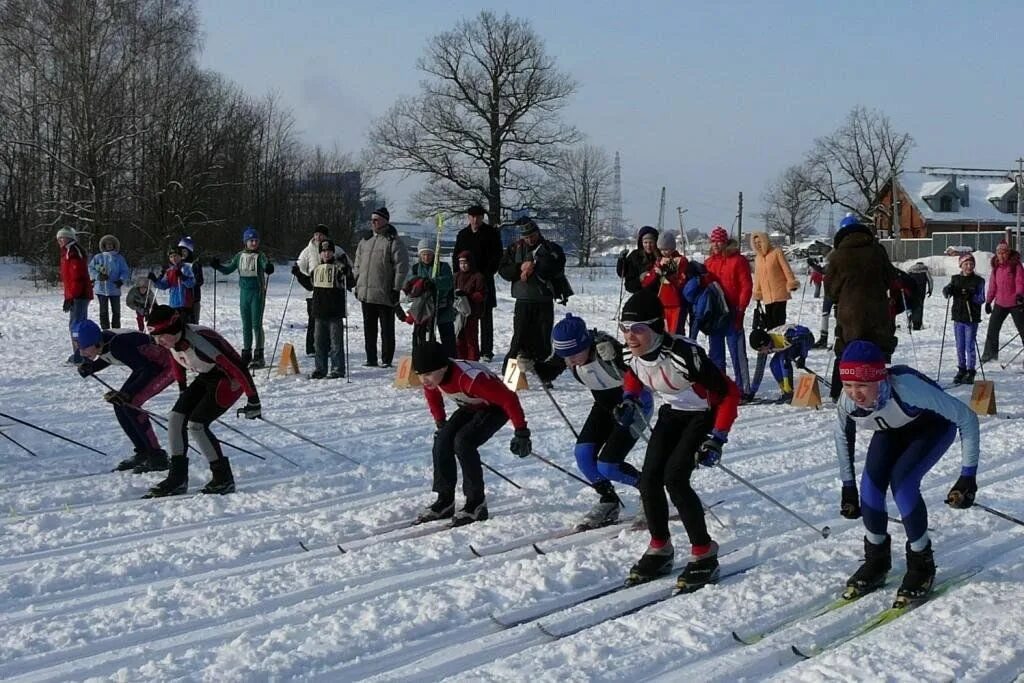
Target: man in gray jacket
[{"x": 381, "y": 266}]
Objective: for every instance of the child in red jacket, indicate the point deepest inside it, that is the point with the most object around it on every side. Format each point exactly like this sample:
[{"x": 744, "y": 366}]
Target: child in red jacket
[
  {"x": 74, "y": 273},
  {"x": 470, "y": 285}
]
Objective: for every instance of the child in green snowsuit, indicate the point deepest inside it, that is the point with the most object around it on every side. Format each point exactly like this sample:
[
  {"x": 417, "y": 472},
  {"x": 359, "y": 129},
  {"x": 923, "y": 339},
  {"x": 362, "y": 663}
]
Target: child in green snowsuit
[{"x": 251, "y": 265}]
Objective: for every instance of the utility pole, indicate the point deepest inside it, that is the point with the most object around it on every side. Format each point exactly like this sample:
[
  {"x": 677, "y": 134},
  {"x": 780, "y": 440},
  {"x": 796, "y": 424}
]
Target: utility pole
[
  {"x": 1020, "y": 186},
  {"x": 661, "y": 211},
  {"x": 682, "y": 230},
  {"x": 739, "y": 223},
  {"x": 895, "y": 207}
]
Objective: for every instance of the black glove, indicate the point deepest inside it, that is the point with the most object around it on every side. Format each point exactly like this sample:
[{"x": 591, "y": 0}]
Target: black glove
[
  {"x": 118, "y": 398},
  {"x": 269, "y": 270},
  {"x": 438, "y": 426},
  {"x": 988, "y": 308},
  {"x": 395, "y": 294},
  {"x": 626, "y": 412},
  {"x": 67, "y": 305},
  {"x": 961, "y": 496},
  {"x": 86, "y": 368},
  {"x": 849, "y": 506},
  {"x": 251, "y": 410},
  {"x": 152, "y": 276},
  {"x": 709, "y": 453},
  {"x": 119, "y": 283},
  {"x": 103, "y": 277},
  {"x": 215, "y": 262},
  {"x": 296, "y": 271},
  {"x": 521, "y": 444},
  {"x": 947, "y": 291}
]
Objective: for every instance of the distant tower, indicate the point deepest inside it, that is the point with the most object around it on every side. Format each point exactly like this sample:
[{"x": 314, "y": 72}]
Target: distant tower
[{"x": 616, "y": 217}]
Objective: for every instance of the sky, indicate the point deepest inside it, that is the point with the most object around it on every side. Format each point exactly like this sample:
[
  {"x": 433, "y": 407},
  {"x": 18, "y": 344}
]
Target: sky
[{"x": 707, "y": 99}]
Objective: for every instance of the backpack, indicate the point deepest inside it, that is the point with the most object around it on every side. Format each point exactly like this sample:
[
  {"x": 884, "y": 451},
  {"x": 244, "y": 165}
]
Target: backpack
[
  {"x": 422, "y": 299},
  {"x": 710, "y": 309}
]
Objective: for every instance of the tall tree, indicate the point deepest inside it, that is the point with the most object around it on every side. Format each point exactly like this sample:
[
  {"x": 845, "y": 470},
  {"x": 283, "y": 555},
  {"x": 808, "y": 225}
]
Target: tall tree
[
  {"x": 580, "y": 183},
  {"x": 486, "y": 116},
  {"x": 791, "y": 205}
]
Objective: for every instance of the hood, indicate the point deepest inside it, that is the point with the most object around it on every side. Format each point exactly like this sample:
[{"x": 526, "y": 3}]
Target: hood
[
  {"x": 468, "y": 255},
  {"x": 856, "y": 229},
  {"x": 110, "y": 241},
  {"x": 731, "y": 247},
  {"x": 855, "y": 239},
  {"x": 762, "y": 238},
  {"x": 646, "y": 230}
]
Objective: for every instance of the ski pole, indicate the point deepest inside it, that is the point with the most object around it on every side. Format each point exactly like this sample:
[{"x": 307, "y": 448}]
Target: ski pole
[
  {"x": 287, "y": 298},
  {"x": 1010, "y": 362},
  {"x": 309, "y": 440},
  {"x": 977, "y": 352},
  {"x": 942, "y": 347},
  {"x": 910, "y": 327},
  {"x": 259, "y": 443},
  {"x": 11, "y": 439},
  {"x": 561, "y": 469},
  {"x": 824, "y": 531},
  {"x": 558, "y": 408},
  {"x": 997, "y": 513},
  {"x": 803, "y": 295},
  {"x": 54, "y": 434},
  {"x": 498, "y": 473},
  {"x": 1008, "y": 342}
]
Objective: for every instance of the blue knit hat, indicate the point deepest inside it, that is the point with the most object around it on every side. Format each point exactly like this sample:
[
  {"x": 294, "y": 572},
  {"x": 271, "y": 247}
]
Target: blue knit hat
[
  {"x": 570, "y": 336},
  {"x": 862, "y": 361},
  {"x": 86, "y": 333},
  {"x": 250, "y": 234}
]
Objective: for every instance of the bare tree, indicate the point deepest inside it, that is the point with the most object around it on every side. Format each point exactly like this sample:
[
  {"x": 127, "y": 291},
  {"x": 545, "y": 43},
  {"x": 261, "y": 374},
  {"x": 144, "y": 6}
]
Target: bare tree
[
  {"x": 791, "y": 205},
  {"x": 580, "y": 183},
  {"x": 850, "y": 166},
  {"x": 486, "y": 115}
]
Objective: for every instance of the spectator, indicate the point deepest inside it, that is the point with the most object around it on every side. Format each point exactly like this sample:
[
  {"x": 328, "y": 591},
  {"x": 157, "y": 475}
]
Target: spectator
[
  {"x": 108, "y": 271},
  {"x": 187, "y": 249},
  {"x": 817, "y": 273},
  {"x": 484, "y": 244},
  {"x": 1005, "y": 297},
  {"x": 178, "y": 278},
  {"x": 74, "y": 273},
  {"x": 920, "y": 275},
  {"x": 773, "y": 279},
  {"x": 441, "y": 288},
  {"x": 732, "y": 270},
  {"x": 381, "y": 266},
  {"x": 641, "y": 260},
  {"x": 251, "y": 264},
  {"x": 469, "y": 284},
  {"x": 140, "y": 299},
  {"x": 309, "y": 259}
]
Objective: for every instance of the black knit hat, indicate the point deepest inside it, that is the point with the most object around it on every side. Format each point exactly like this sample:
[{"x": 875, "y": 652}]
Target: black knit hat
[
  {"x": 322, "y": 229},
  {"x": 644, "y": 307},
  {"x": 163, "y": 320},
  {"x": 383, "y": 213},
  {"x": 759, "y": 338},
  {"x": 476, "y": 210},
  {"x": 429, "y": 356},
  {"x": 326, "y": 245}
]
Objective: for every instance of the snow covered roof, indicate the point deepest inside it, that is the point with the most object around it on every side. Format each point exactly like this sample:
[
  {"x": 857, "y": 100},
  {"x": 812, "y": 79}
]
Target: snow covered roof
[
  {"x": 980, "y": 192},
  {"x": 999, "y": 190},
  {"x": 933, "y": 188}
]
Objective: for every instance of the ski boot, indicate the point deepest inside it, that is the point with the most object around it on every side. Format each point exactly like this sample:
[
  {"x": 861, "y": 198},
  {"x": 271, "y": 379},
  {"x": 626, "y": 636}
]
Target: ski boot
[
  {"x": 606, "y": 511},
  {"x": 961, "y": 372},
  {"x": 442, "y": 508},
  {"x": 246, "y": 355},
  {"x": 822, "y": 342},
  {"x": 155, "y": 461},
  {"x": 968, "y": 377},
  {"x": 336, "y": 374},
  {"x": 257, "y": 360},
  {"x": 785, "y": 398},
  {"x": 655, "y": 563},
  {"x": 137, "y": 460},
  {"x": 701, "y": 570},
  {"x": 176, "y": 482},
  {"x": 223, "y": 480},
  {"x": 470, "y": 512},
  {"x": 871, "y": 574},
  {"x": 917, "y": 582},
  {"x": 317, "y": 374}
]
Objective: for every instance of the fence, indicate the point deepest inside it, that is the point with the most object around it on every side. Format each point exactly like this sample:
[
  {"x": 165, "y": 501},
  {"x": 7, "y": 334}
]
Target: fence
[{"x": 908, "y": 249}]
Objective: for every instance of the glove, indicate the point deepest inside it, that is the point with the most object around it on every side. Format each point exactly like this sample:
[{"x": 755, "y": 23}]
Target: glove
[
  {"x": 961, "y": 496},
  {"x": 438, "y": 426},
  {"x": 119, "y": 283},
  {"x": 395, "y": 294},
  {"x": 525, "y": 363},
  {"x": 118, "y": 398},
  {"x": 269, "y": 270},
  {"x": 103, "y": 277},
  {"x": 988, "y": 308},
  {"x": 296, "y": 271},
  {"x": 251, "y": 410},
  {"x": 626, "y": 412},
  {"x": 947, "y": 291},
  {"x": 849, "y": 506},
  {"x": 709, "y": 453},
  {"x": 152, "y": 276},
  {"x": 67, "y": 305},
  {"x": 215, "y": 262},
  {"x": 606, "y": 351},
  {"x": 85, "y": 368},
  {"x": 409, "y": 319},
  {"x": 521, "y": 444}
]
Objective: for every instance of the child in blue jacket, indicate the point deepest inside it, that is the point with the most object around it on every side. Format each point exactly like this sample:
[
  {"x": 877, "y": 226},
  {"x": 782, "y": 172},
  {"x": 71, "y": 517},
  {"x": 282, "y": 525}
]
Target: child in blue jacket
[
  {"x": 109, "y": 271},
  {"x": 179, "y": 280}
]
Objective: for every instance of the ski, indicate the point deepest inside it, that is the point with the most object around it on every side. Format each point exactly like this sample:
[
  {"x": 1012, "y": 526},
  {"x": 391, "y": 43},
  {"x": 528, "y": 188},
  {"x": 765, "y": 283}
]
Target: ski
[{"x": 816, "y": 610}]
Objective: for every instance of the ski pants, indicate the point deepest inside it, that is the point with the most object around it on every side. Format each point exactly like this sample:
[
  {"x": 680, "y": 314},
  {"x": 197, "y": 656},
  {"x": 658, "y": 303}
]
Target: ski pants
[
  {"x": 826, "y": 311},
  {"x": 603, "y": 445},
  {"x": 781, "y": 367},
  {"x": 487, "y": 319},
  {"x": 966, "y": 335},
  {"x": 110, "y": 311},
  {"x": 384, "y": 316},
  {"x": 134, "y": 422},
  {"x": 251, "y": 302},
  {"x": 899, "y": 459},
  {"x": 310, "y": 329},
  {"x": 995, "y": 324},
  {"x": 736, "y": 339},
  {"x": 207, "y": 398},
  {"x": 445, "y": 335},
  {"x": 79, "y": 311},
  {"x": 329, "y": 344},
  {"x": 531, "y": 330},
  {"x": 668, "y": 464},
  {"x": 460, "y": 438},
  {"x": 466, "y": 345},
  {"x": 917, "y": 314}
]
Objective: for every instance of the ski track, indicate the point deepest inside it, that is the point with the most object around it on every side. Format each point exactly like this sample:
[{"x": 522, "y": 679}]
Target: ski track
[{"x": 97, "y": 584}]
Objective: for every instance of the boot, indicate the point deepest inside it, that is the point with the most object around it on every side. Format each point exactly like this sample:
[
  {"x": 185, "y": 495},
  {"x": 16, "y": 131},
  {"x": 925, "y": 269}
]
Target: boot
[
  {"x": 917, "y": 582},
  {"x": 257, "y": 360},
  {"x": 131, "y": 463},
  {"x": 442, "y": 508},
  {"x": 155, "y": 461},
  {"x": 655, "y": 562},
  {"x": 223, "y": 480},
  {"x": 871, "y": 574},
  {"x": 701, "y": 570},
  {"x": 471, "y": 512},
  {"x": 968, "y": 377},
  {"x": 606, "y": 511},
  {"x": 246, "y": 357},
  {"x": 176, "y": 482},
  {"x": 822, "y": 342},
  {"x": 959, "y": 377}
]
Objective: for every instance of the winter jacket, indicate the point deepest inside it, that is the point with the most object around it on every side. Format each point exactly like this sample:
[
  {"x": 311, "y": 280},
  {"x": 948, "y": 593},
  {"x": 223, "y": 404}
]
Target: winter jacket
[
  {"x": 444, "y": 287},
  {"x": 732, "y": 270},
  {"x": 1006, "y": 282},
  {"x": 108, "y": 270},
  {"x": 773, "y": 278},
  {"x": 922, "y": 277},
  {"x": 473, "y": 285},
  {"x": 135, "y": 350},
  {"x": 381, "y": 266},
  {"x": 140, "y": 301},
  {"x": 638, "y": 262},
  {"x": 328, "y": 285},
  {"x": 667, "y": 275},
  {"x": 485, "y": 246},
  {"x": 251, "y": 265},
  {"x": 309, "y": 259},
  {"x": 857, "y": 279},
  {"x": 179, "y": 280},
  {"x": 474, "y": 387},
  {"x": 968, "y": 292},
  {"x": 549, "y": 267},
  {"x": 197, "y": 273},
  {"x": 74, "y": 272}
]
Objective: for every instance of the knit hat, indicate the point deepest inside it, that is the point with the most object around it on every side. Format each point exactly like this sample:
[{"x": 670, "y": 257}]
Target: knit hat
[
  {"x": 383, "y": 213},
  {"x": 644, "y": 232},
  {"x": 759, "y": 338},
  {"x": 429, "y": 356},
  {"x": 862, "y": 361},
  {"x": 964, "y": 258},
  {"x": 327, "y": 245},
  {"x": 719, "y": 235},
  {"x": 249, "y": 234},
  {"x": 667, "y": 241},
  {"x": 66, "y": 233},
  {"x": 424, "y": 245},
  {"x": 476, "y": 210},
  {"x": 644, "y": 307},
  {"x": 187, "y": 243},
  {"x": 163, "y": 320},
  {"x": 570, "y": 336},
  {"x": 86, "y": 333},
  {"x": 322, "y": 229}
]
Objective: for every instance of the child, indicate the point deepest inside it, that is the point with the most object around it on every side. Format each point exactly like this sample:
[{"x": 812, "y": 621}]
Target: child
[
  {"x": 140, "y": 299},
  {"x": 251, "y": 265},
  {"x": 328, "y": 282},
  {"x": 108, "y": 271},
  {"x": 177, "y": 277},
  {"x": 187, "y": 249},
  {"x": 790, "y": 345},
  {"x": 74, "y": 273},
  {"x": 914, "y": 421},
  {"x": 221, "y": 379},
  {"x": 484, "y": 405},
  {"x": 469, "y": 284},
  {"x": 968, "y": 292},
  {"x": 441, "y": 287}
]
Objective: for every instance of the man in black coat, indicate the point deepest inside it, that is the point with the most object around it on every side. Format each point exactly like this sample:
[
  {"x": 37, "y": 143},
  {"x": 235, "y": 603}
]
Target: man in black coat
[{"x": 484, "y": 243}]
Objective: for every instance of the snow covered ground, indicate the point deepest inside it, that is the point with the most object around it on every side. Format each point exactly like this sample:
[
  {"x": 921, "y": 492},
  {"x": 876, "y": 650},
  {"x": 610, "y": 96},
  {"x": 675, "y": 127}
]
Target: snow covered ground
[{"x": 96, "y": 584}]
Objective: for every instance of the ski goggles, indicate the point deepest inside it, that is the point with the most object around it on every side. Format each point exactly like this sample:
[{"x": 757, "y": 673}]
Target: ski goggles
[{"x": 637, "y": 326}]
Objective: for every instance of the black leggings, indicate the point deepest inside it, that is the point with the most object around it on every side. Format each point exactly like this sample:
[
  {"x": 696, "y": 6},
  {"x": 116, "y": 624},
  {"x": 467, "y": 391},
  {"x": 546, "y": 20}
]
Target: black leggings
[
  {"x": 461, "y": 437},
  {"x": 207, "y": 398}
]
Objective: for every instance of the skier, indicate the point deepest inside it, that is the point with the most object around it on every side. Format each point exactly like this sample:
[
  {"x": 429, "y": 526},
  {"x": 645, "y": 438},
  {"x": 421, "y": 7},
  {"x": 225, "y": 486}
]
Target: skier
[
  {"x": 485, "y": 404},
  {"x": 968, "y": 292},
  {"x": 790, "y": 344},
  {"x": 222, "y": 378},
  {"x": 693, "y": 425},
  {"x": 914, "y": 421},
  {"x": 187, "y": 249},
  {"x": 920, "y": 274},
  {"x": 151, "y": 372},
  {"x": 595, "y": 359},
  {"x": 108, "y": 272},
  {"x": 251, "y": 265},
  {"x": 328, "y": 281}
]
